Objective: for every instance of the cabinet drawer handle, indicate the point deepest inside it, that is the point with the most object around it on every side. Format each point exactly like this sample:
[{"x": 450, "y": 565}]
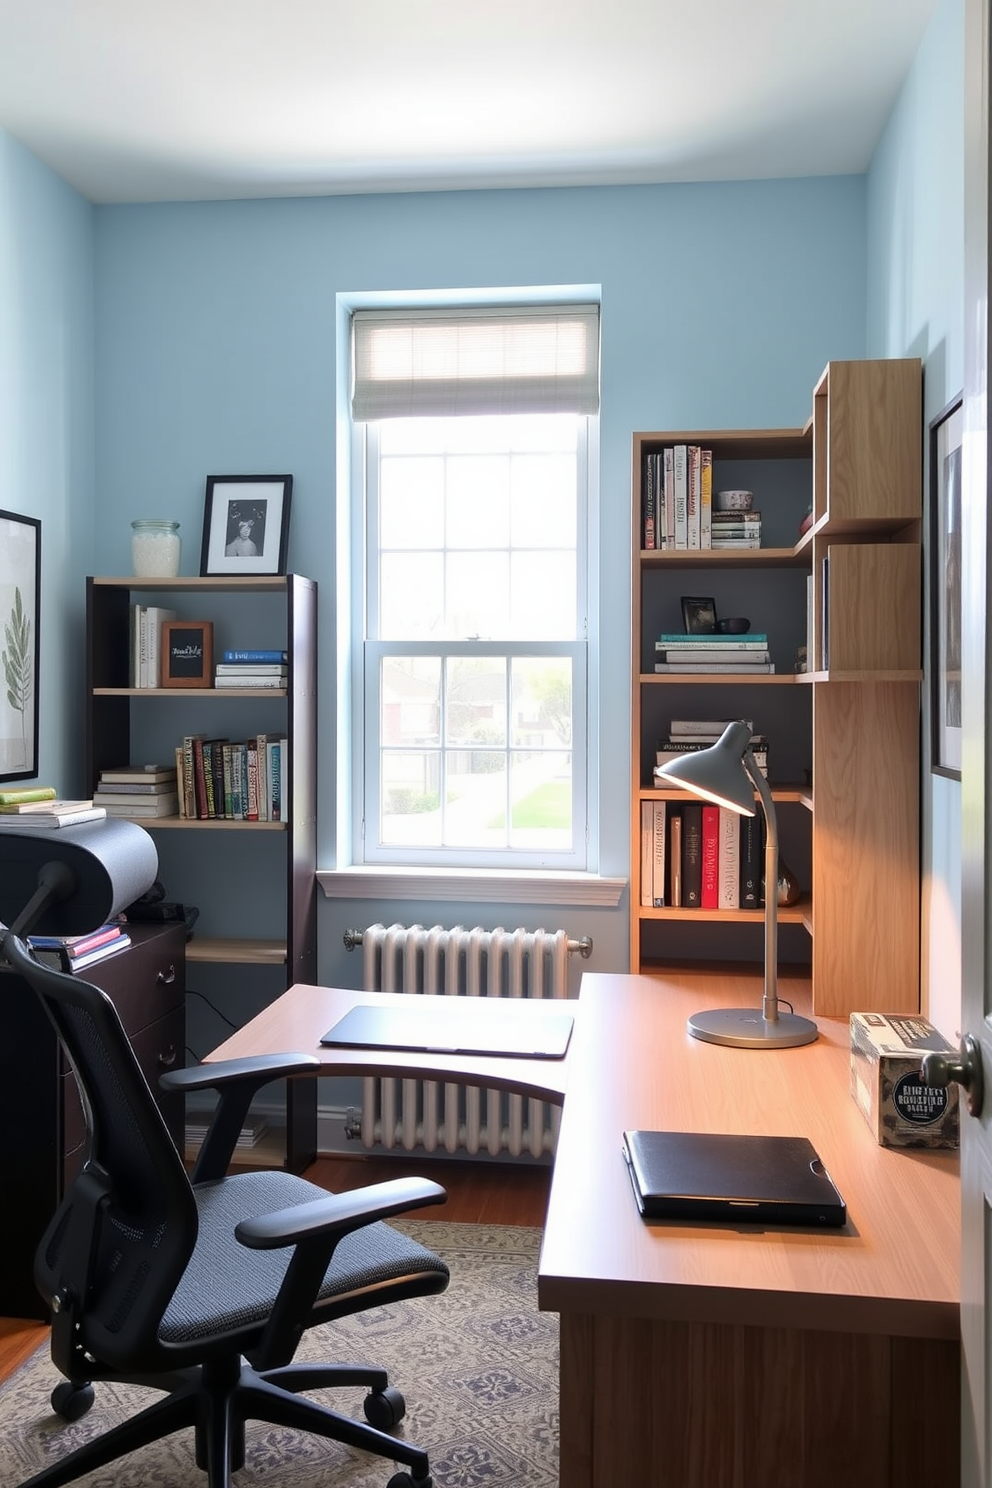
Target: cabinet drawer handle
[
  {"x": 166, "y": 978},
  {"x": 168, "y": 1057}
]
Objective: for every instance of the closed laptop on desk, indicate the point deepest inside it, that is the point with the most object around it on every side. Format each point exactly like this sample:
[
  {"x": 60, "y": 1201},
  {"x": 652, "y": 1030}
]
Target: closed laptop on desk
[
  {"x": 760, "y": 1180},
  {"x": 461, "y": 1026}
]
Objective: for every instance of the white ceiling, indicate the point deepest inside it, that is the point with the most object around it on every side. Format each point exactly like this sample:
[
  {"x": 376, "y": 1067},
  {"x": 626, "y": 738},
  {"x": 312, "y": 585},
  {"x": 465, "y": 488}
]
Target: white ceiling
[{"x": 162, "y": 100}]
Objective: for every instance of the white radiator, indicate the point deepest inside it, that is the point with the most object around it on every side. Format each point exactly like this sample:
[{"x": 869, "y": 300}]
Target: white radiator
[{"x": 426, "y": 1114}]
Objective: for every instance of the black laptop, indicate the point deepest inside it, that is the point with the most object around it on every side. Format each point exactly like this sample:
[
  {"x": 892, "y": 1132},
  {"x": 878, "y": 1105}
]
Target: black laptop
[
  {"x": 736, "y": 1179},
  {"x": 461, "y": 1026}
]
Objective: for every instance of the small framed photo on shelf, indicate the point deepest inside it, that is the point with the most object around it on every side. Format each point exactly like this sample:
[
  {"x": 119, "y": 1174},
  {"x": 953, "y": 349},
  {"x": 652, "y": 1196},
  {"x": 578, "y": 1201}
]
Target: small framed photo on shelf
[
  {"x": 946, "y": 433},
  {"x": 20, "y": 615},
  {"x": 187, "y": 653},
  {"x": 698, "y": 615},
  {"x": 246, "y": 524}
]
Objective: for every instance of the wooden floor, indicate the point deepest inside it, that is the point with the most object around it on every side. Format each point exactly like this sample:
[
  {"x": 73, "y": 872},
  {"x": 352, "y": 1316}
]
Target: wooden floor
[{"x": 478, "y": 1193}]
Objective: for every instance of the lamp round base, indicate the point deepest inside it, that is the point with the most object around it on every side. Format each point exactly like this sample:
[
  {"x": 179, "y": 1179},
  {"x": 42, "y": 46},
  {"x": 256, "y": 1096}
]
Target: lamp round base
[{"x": 745, "y": 1028}]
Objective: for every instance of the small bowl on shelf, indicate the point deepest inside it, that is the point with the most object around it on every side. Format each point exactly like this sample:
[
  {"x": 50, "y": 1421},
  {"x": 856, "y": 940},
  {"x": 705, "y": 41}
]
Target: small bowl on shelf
[
  {"x": 726, "y": 501},
  {"x": 735, "y": 625}
]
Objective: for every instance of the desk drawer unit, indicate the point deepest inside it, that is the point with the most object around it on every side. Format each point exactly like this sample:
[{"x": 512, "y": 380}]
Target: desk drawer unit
[{"x": 40, "y": 1114}]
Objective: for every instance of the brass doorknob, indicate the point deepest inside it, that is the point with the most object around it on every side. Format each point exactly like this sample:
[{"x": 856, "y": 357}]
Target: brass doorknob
[{"x": 942, "y": 1069}]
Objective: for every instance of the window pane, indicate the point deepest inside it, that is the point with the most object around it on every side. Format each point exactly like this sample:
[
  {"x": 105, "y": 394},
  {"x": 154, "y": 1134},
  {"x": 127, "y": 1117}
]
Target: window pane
[
  {"x": 478, "y": 596},
  {"x": 475, "y": 804},
  {"x": 411, "y": 799},
  {"x": 476, "y": 701},
  {"x": 411, "y": 503},
  {"x": 478, "y": 502},
  {"x": 542, "y": 596},
  {"x": 541, "y": 702},
  {"x": 543, "y": 503},
  {"x": 411, "y": 701},
  {"x": 541, "y": 796},
  {"x": 411, "y": 595}
]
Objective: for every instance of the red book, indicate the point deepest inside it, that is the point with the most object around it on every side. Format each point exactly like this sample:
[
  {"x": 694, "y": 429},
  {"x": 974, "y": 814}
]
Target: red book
[{"x": 710, "y": 885}]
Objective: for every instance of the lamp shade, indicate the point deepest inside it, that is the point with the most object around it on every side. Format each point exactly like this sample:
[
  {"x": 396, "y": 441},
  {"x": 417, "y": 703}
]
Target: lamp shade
[
  {"x": 717, "y": 774},
  {"x": 93, "y": 871}
]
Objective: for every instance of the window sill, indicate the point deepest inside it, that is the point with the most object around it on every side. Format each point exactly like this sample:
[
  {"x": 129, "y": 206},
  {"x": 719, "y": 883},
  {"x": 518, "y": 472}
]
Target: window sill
[{"x": 471, "y": 885}]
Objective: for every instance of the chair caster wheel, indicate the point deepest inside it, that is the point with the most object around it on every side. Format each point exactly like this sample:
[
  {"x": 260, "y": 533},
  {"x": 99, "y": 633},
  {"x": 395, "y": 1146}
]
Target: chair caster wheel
[
  {"x": 385, "y": 1409},
  {"x": 404, "y": 1480},
  {"x": 70, "y": 1401}
]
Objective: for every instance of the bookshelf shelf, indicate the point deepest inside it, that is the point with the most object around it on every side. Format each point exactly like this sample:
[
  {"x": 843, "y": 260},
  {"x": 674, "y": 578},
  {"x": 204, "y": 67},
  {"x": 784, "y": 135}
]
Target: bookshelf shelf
[
  {"x": 274, "y": 932},
  {"x": 849, "y": 590},
  {"x": 214, "y": 950},
  {"x": 191, "y": 692}
]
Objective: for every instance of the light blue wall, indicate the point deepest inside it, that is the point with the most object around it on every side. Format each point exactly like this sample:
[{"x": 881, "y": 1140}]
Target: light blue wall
[
  {"x": 916, "y": 307},
  {"x": 46, "y": 425},
  {"x": 216, "y": 353}
]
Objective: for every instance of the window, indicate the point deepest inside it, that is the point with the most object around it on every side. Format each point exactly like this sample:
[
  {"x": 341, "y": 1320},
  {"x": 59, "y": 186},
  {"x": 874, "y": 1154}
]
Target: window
[{"x": 474, "y": 667}]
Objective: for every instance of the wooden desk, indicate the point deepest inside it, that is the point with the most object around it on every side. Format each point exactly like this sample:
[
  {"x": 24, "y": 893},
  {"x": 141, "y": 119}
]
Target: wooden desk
[
  {"x": 736, "y": 1358},
  {"x": 710, "y": 1356}
]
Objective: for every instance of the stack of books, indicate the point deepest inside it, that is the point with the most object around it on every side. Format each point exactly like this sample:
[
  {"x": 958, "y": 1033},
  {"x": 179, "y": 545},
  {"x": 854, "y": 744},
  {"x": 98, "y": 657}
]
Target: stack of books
[
  {"x": 138, "y": 791},
  {"x": 39, "y": 809},
  {"x": 736, "y": 529},
  {"x": 74, "y": 952},
  {"x": 268, "y": 669},
  {"x": 713, "y": 653},
  {"x": 688, "y": 734}
]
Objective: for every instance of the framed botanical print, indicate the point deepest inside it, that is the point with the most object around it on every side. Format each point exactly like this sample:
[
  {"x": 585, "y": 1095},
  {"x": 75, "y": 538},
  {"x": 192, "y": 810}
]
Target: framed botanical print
[{"x": 20, "y": 615}]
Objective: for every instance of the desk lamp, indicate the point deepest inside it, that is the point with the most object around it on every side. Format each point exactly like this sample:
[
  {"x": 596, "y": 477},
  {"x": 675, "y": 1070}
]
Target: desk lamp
[{"x": 726, "y": 774}]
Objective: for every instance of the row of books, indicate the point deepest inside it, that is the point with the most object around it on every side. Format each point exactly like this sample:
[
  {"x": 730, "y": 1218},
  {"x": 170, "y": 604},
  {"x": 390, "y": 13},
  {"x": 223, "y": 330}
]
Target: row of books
[
  {"x": 145, "y": 644},
  {"x": 233, "y": 780},
  {"x": 713, "y": 653},
  {"x": 678, "y": 497},
  {"x": 76, "y": 952},
  {"x": 699, "y": 856},
  {"x": 38, "y": 808}
]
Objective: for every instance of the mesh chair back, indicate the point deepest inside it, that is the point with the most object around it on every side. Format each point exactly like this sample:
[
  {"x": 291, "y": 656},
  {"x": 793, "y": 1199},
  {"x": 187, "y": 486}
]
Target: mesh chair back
[{"x": 125, "y": 1229}]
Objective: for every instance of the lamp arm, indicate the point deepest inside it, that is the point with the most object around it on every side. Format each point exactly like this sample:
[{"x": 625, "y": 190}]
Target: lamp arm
[
  {"x": 769, "y": 1007},
  {"x": 55, "y": 881}
]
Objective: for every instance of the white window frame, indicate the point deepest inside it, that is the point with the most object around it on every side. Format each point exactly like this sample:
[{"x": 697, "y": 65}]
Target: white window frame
[{"x": 368, "y": 653}]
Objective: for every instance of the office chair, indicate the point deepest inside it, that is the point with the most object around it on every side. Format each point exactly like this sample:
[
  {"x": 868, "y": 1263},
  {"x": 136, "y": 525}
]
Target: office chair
[{"x": 200, "y": 1285}]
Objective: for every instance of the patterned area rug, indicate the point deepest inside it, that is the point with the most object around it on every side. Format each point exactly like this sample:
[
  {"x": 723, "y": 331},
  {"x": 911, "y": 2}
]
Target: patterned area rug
[{"x": 478, "y": 1367}]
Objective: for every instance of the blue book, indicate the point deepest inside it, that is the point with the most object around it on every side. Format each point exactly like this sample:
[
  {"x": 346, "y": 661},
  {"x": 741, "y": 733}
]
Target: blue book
[
  {"x": 682, "y": 639},
  {"x": 257, "y": 656}
]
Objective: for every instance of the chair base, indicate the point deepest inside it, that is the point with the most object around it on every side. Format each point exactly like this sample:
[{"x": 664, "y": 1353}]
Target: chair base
[{"x": 217, "y": 1399}]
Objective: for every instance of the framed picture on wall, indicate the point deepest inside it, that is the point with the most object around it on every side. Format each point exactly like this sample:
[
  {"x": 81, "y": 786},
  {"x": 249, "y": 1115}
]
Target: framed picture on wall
[
  {"x": 945, "y": 590},
  {"x": 246, "y": 524},
  {"x": 20, "y": 617}
]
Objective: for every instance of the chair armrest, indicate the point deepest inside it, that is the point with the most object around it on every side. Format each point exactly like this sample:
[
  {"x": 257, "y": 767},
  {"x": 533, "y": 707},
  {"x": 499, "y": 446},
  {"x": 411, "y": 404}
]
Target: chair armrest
[
  {"x": 259, "y": 1068},
  {"x": 338, "y": 1214},
  {"x": 236, "y": 1081},
  {"x": 314, "y": 1230}
]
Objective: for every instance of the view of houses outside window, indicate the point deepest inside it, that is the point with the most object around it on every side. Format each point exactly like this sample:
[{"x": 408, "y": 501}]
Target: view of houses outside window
[{"x": 475, "y": 671}]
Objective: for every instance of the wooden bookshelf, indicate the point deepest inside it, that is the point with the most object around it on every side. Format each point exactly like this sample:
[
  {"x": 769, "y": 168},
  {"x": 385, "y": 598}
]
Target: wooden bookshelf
[{"x": 851, "y": 585}]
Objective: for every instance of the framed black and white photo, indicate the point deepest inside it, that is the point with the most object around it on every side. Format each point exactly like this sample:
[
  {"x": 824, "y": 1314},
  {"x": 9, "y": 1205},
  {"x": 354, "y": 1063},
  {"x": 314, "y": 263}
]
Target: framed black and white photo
[
  {"x": 20, "y": 616},
  {"x": 246, "y": 524},
  {"x": 698, "y": 615},
  {"x": 946, "y": 433}
]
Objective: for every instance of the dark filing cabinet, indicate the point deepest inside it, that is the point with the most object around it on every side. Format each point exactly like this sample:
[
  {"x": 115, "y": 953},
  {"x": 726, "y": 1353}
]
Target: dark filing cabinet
[{"x": 41, "y": 1117}]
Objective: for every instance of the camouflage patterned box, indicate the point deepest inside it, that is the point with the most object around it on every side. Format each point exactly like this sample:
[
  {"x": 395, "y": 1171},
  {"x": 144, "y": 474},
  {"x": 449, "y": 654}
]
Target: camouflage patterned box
[{"x": 886, "y": 1054}]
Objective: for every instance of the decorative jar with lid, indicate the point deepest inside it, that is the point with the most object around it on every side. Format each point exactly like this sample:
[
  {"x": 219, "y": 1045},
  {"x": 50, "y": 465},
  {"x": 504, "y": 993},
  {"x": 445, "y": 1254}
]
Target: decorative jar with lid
[{"x": 155, "y": 548}]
